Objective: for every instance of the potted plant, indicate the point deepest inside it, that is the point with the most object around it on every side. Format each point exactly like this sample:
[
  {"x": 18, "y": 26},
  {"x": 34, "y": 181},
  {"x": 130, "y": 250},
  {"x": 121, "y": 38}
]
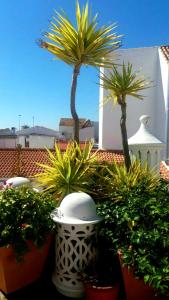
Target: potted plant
[
  {"x": 101, "y": 277},
  {"x": 136, "y": 221},
  {"x": 25, "y": 235}
]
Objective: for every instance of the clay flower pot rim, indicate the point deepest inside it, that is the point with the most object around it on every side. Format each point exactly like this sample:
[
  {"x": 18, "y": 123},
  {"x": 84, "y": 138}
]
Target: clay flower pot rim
[
  {"x": 102, "y": 287},
  {"x": 108, "y": 287}
]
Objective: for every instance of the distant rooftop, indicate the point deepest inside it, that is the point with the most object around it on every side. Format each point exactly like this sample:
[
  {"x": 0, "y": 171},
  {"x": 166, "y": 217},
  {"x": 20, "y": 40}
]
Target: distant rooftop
[
  {"x": 70, "y": 122},
  {"x": 38, "y": 130},
  {"x": 7, "y": 132},
  {"x": 165, "y": 51}
]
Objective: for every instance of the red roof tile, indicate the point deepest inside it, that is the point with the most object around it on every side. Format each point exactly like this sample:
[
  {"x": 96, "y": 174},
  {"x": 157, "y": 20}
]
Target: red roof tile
[
  {"x": 23, "y": 162},
  {"x": 8, "y": 158},
  {"x": 70, "y": 122},
  {"x": 109, "y": 156}
]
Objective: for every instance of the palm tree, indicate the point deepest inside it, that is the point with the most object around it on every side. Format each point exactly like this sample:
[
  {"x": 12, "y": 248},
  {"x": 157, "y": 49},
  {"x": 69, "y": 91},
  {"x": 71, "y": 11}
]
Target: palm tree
[
  {"x": 84, "y": 44},
  {"x": 120, "y": 84}
]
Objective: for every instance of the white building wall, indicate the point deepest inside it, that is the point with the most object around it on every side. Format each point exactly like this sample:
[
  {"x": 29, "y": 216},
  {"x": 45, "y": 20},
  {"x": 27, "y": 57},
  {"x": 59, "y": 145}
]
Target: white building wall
[
  {"x": 96, "y": 130},
  {"x": 37, "y": 141},
  {"x": 40, "y": 141},
  {"x": 164, "y": 78},
  {"x": 86, "y": 134},
  {"x": 21, "y": 141},
  {"x": 147, "y": 61},
  {"x": 163, "y": 75},
  {"x": 7, "y": 143},
  {"x": 67, "y": 131}
]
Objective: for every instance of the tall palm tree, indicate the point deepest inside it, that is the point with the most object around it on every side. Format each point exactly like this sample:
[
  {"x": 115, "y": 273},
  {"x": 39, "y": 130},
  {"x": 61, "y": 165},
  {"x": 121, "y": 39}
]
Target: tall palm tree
[
  {"x": 83, "y": 44},
  {"x": 120, "y": 83}
]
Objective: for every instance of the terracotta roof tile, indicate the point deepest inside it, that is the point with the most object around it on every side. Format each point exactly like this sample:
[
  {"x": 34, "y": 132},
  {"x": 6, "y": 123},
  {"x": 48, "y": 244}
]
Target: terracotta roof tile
[
  {"x": 70, "y": 122},
  {"x": 8, "y": 159},
  {"x": 63, "y": 144},
  {"x": 109, "y": 156},
  {"x": 15, "y": 162},
  {"x": 86, "y": 124}
]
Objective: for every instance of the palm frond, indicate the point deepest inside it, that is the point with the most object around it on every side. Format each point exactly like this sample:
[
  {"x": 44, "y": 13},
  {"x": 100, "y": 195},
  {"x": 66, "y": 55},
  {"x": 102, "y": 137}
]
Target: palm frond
[
  {"x": 67, "y": 171},
  {"x": 83, "y": 43},
  {"x": 123, "y": 83}
]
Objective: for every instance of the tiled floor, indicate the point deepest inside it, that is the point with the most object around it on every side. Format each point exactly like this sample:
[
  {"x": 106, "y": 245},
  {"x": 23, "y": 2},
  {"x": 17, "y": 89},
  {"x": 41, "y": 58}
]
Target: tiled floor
[{"x": 42, "y": 290}]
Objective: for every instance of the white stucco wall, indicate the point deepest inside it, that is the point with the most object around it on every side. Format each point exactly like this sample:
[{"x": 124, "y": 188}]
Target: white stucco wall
[
  {"x": 40, "y": 141},
  {"x": 86, "y": 134},
  {"x": 148, "y": 62},
  {"x": 7, "y": 143},
  {"x": 21, "y": 141},
  {"x": 164, "y": 77},
  {"x": 37, "y": 141},
  {"x": 67, "y": 130},
  {"x": 96, "y": 130}
]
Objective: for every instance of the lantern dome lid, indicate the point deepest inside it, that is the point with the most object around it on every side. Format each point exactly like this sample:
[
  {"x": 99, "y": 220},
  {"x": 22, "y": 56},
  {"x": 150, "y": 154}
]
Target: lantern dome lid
[
  {"x": 17, "y": 181},
  {"x": 76, "y": 208},
  {"x": 143, "y": 135}
]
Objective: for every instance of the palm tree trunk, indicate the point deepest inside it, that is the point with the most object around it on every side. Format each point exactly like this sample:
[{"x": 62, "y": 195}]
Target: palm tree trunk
[
  {"x": 72, "y": 103},
  {"x": 127, "y": 159}
]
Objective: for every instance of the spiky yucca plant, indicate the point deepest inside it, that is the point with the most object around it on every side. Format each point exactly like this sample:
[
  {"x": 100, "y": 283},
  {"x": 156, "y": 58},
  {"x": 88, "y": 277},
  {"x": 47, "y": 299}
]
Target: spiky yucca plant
[
  {"x": 137, "y": 179},
  {"x": 68, "y": 171},
  {"x": 120, "y": 83},
  {"x": 83, "y": 44}
]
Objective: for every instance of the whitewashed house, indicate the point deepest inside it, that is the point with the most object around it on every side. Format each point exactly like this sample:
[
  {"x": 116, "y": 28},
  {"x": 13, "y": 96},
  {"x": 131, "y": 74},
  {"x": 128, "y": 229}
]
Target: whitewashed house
[
  {"x": 153, "y": 63},
  {"x": 37, "y": 137},
  {"x": 88, "y": 129},
  {"x": 8, "y": 138}
]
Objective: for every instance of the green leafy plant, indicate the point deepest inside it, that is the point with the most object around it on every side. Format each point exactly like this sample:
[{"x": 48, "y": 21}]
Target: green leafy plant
[
  {"x": 113, "y": 181},
  {"x": 138, "y": 224},
  {"x": 24, "y": 216},
  {"x": 138, "y": 179},
  {"x": 99, "y": 185},
  {"x": 68, "y": 171}
]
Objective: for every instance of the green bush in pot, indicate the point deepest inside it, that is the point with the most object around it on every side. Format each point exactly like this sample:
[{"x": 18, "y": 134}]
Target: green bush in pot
[
  {"x": 136, "y": 221},
  {"x": 24, "y": 216}
]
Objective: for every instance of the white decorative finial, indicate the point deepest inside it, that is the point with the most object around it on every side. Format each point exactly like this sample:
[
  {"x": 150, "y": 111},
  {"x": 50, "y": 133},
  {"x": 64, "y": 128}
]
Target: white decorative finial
[{"x": 144, "y": 119}]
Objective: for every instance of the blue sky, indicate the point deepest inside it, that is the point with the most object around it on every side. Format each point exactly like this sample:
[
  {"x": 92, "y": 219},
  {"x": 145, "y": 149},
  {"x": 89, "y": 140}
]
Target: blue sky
[{"x": 33, "y": 84}]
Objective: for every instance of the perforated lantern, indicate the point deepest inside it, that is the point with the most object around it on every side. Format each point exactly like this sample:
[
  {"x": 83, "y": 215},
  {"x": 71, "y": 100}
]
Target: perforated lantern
[
  {"x": 146, "y": 147},
  {"x": 76, "y": 221}
]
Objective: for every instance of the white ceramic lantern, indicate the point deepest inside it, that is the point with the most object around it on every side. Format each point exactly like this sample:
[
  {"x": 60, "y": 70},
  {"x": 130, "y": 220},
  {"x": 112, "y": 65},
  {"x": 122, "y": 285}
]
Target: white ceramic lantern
[
  {"x": 18, "y": 181},
  {"x": 146, "y": 147},
  {"x": 76, "y": 221}
]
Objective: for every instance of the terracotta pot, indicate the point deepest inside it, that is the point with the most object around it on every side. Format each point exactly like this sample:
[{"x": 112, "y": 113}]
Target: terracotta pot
[
  {"x": 135, "y": 288},
  {"x": 101, "y": 293},
  {"x": 14, "y": 275}
]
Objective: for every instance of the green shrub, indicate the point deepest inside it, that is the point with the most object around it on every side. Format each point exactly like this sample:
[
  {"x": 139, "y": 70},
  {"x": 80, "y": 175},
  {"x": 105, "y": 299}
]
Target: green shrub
[
  {"x": 24, "y": 215},
  {"x": 138, "y": 224},
  {"x": 99, "y": 185},
  {"x": 139, "y": 179},
  {"x": 112, "y": 181}
]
